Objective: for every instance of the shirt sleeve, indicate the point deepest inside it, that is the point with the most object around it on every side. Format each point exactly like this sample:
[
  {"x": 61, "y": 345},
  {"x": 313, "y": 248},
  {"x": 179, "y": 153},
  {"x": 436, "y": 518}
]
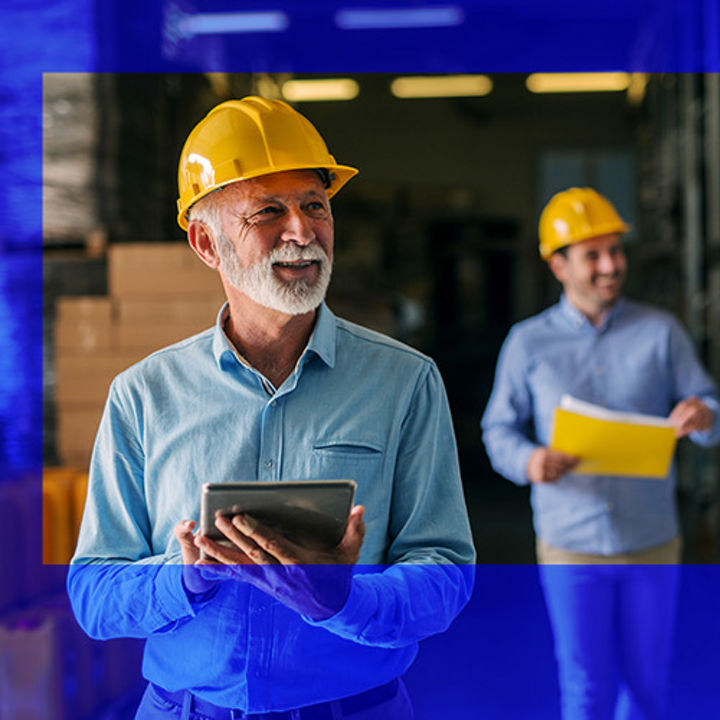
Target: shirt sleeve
[
  {"x": 430, "y": 571},
  {"x": 507, "y": 423},
  {"x": 117, "y": 586},
  {"x": 691, "y": 379}
]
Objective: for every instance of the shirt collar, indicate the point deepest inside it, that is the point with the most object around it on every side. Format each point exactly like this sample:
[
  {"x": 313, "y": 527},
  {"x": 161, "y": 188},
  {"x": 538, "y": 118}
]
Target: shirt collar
[
  {"x": 221, "y": 346},
  {"x": 322, "y": 340},
  {"x": 321, "y": 343},
  {"x": 577, "y": 319}
]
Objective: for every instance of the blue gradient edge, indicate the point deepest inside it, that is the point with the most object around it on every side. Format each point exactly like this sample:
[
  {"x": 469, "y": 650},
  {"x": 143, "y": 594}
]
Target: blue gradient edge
[{"x": 677, "y": 38}]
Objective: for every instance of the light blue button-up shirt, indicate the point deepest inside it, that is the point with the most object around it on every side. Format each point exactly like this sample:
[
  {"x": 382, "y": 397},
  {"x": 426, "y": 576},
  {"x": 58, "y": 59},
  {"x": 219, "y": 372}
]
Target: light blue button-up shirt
[
  {"x": 639, "y": 360},
  {"x": 358, "y": 405}
]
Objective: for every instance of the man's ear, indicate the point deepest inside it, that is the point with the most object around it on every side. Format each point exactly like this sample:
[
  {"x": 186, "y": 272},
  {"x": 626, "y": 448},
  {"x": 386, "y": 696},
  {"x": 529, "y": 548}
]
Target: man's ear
[
  {"x": 203, "y": 243},
  {"x": 557, "y": 263}
]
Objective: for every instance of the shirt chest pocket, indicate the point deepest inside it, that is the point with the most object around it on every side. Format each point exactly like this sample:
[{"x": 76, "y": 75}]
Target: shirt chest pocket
[{"x": 358, "y": 460}]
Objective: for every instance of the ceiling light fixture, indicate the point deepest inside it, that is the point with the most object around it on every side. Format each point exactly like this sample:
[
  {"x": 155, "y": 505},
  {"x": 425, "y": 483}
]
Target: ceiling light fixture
[
  {"x": 394, "y": 18},
  {"x": 232, "y": 23},
  {"x": 438, "y": 86},
  {"x": 577, "y": 82},
  {"x": 314, "y": 90}
]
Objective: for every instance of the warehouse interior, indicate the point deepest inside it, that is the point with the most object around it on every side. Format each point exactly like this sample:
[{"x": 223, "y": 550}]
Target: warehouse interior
[
  {"x": 436, "y": 237},
  {"x": 436, "y": 245}
]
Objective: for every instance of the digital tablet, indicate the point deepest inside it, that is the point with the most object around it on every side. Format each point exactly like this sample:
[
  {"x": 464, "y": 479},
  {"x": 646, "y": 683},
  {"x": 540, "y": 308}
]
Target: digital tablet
[{"x": 312, "y": 513}]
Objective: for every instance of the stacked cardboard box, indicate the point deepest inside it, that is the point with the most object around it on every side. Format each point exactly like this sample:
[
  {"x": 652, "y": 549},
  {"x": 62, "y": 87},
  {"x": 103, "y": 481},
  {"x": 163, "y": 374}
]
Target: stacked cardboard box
[
  {"x": 159, "y": 293},
  {"x": 63, "y": 502}
]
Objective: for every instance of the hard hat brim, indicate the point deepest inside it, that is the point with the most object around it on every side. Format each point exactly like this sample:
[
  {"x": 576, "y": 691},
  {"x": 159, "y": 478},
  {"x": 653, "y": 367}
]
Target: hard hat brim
[{"x": 598, "y": 231}]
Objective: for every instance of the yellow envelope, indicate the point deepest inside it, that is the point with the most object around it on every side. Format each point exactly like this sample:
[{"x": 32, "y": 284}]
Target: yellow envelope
[{"x": 609, "y": 447}]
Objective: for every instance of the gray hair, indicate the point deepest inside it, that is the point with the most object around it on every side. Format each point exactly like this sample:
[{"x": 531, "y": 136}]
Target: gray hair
[{"x": 207, "y": 211}]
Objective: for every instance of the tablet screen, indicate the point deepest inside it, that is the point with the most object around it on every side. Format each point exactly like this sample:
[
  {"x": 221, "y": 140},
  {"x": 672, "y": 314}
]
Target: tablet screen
[{"x": 312, "y": 513}]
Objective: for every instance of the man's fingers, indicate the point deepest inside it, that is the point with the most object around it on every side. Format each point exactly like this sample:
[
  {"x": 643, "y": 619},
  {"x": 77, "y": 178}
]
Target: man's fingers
[
  {"x": 354, "y": 535},
  {"x": 561, "y": 459},
  {"x": 535, "y": 467},
  {"x": 681, "y": 412},
  {"x": 254, "y": 540},
  {"x": 564, "y": 466},
  {"x": 270, "y": 548},
  {"x": 682, "y": 428},
  {"x": 558, "y": 464},
  {"x": 698, "y": 420},
  {"x": 192, "y": 579},
  {"x": 356, "y": 522},
  {"x": 683, "y": 406},
  {"x": 221, "y": 553},
  {"x": 677, "y": 412},
  {"x": 690, "y": 415},
  {"x": 264, "y": 546},
  {"x": 184, "y": 533}
]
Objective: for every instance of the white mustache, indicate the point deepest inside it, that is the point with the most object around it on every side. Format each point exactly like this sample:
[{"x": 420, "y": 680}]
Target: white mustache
[{"x": 291, "y": 252}]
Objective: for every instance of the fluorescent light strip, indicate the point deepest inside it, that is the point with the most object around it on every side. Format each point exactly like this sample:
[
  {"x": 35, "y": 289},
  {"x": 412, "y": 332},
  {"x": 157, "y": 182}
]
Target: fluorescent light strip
[
  {"x": 316, "y": 90},
  {"x": 437, "y": 86},
  {"x": 577, "y": 82},
  {"x": 392, "y": 18},
  {"x": 232, "y": 23}
]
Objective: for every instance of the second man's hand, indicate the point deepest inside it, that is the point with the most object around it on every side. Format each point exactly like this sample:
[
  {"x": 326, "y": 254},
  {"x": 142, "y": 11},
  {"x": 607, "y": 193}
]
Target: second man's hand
[
  {"x": 312, "y": 582},
  {"x": 545, "y": 465},
  {"x": 691, "y": 415}
]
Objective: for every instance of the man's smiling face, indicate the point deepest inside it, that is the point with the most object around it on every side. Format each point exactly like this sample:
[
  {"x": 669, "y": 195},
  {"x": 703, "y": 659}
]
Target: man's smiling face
[
  {"x": 277, "y": 241},
  {"x": 592, "y": 273}
]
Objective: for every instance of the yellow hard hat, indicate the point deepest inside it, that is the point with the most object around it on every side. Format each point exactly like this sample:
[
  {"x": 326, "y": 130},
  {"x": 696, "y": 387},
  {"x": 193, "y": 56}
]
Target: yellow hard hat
[
  {"x": 243, "y": 139},
  {"x": 574, "y": 215}
]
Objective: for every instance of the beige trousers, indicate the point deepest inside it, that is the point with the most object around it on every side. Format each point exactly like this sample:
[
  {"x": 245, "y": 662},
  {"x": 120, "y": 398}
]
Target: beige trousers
[{"x": 666, "y": 554}]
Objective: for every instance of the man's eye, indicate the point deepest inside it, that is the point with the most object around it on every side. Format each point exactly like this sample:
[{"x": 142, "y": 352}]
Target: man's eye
[
  {"x": 315, "y": 206},
  {"x": 266, "y": 214}
]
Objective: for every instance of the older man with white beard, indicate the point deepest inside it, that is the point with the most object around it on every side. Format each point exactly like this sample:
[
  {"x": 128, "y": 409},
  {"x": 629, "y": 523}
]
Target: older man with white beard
[{"x": 279, "y": 389}]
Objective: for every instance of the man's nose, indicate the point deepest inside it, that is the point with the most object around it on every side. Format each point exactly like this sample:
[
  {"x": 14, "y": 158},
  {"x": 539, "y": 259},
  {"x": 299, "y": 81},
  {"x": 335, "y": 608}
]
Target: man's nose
[
  {"x": 607, "y": 263},
  {"x": 298, "y": 227}
]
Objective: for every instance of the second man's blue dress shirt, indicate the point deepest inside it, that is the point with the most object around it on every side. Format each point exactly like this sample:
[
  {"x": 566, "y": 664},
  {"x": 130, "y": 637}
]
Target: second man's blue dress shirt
[{"x": 639, "y": 360}]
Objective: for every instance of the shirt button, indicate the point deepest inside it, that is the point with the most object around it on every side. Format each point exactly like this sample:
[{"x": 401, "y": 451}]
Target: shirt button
[
  {"x": 269, "y": 464},
  {"x": 610, "y": 506},
  {"x": 599, "y": 370},
  {"x": 273, "y": 403}
]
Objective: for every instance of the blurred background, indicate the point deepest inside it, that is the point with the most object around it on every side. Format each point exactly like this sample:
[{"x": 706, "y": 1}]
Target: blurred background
[
  {"x": 436, "y": 244},
  {"x": 436, "y": 238}
]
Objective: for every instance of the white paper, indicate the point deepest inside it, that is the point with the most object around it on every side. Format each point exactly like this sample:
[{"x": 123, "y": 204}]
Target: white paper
[{"x": 568, "y": 402}]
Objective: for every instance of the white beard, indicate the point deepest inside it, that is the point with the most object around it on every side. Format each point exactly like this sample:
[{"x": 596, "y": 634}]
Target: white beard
[{"x": 261, "y": 285}]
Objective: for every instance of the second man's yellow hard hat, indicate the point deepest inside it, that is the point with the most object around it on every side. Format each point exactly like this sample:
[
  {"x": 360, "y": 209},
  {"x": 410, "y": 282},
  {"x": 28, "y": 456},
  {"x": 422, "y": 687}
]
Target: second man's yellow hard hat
[
  {"x": 574, "y": 215},
  {"x": 243, "y": 139}
]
